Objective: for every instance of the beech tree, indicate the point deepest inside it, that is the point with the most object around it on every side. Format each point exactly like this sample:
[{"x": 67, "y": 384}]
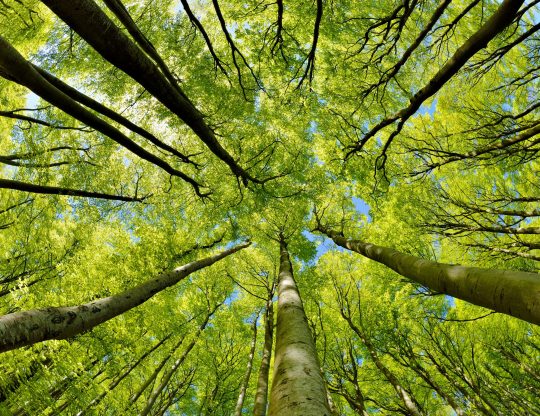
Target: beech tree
[{"x": 282, "y": 208}]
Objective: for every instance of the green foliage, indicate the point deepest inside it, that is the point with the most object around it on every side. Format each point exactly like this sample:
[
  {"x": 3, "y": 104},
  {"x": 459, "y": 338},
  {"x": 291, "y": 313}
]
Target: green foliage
[{"x": 452, "y": 189}]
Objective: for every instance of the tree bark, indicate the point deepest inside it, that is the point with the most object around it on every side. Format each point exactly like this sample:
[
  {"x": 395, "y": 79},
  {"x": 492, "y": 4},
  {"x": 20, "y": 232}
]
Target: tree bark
[
  {"x": 15, "y": 68},
  {"x": 28, "y": 327},
  {"x": 94, "y": 26},
  {"x": 298, "y": 387},
  {"x": 247, "y": 375},
  {"x": 157, "y": 369},
  {"x": 261, "y": 395},
  {"x": 122, "y": 376},
  {"x": 514, "y": 293},
  {"x": 170, "y": 372},
  {"x": 502, "y": 18},
  {"x": 107, "y": 112}
]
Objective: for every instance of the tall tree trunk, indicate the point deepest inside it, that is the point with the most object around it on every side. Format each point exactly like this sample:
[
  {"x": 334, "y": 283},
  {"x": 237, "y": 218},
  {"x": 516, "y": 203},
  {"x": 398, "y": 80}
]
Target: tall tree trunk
[
  {"x": 157, "y": 369},
  {"x": 122, "y": 376},
  {"x": 247, "y": 375},
  {"x": 176, "y": 395},
  {"x": 56, "y": 190},
  {"x": 28, "y": 327},
  {"x": 298, "y": 386},
  {"x": 514, "y": 293},
  {"x": 408, "y": 400},
  {"x": 14, "y": 67},
  {"x": 261, "y": 396},
  {"x": 94, "y": 26},
  {"x": 170, "y": 372},
  {"x": 414, "y": 364}
]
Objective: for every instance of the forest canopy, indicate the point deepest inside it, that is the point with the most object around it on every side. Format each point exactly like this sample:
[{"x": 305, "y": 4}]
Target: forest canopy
[{"x": 327, "y": 207}]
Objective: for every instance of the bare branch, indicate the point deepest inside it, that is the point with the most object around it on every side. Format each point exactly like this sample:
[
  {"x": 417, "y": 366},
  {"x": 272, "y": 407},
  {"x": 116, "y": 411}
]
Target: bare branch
[{"x": 54, "y": 190}]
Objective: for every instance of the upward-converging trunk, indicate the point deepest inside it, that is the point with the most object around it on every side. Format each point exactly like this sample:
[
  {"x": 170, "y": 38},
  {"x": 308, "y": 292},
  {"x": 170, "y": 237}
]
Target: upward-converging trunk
[
  {"x": 298, "y": 386},
  {"x": 247, "y": 374},
  {"x": 511, "y": 292},
  {"x": 28, "y": 327},
  {"x": 14, "y": 67},
  {"x": 261, "y": 396},
  {"x": 116, "y": 381},
  {"x": 166, "y": 377},
  {"x": 408, "y": 401},
  {"x": 93, "y": 25}
]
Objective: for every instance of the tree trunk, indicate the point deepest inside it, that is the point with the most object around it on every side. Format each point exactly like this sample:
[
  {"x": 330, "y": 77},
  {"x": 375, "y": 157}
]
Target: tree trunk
[
  {"x": 122, "y": 376},
  {"x": 15, "y": 68},
  {"x": 94, "y": 26},
  {"x": 55, "y": 190},
  {"x": 169, "y": 373},
  {"x": 298, "y": 386},
  {"x": 107, "y": 112},
  {"x": 28, "y": 327},
  {"x": 157, "y": 369},
  {"x": 425, "y": 374},
  {"x": 247, "y": 375},
  {"x": 261, "y": 396},
  {"x": 408, "y": 400},
  {"x": 514, "y": 293}
]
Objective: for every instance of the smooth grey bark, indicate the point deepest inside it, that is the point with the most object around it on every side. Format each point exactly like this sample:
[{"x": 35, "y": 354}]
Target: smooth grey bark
[
  {"x": 298, "y": 387},
  {"x": 261, "y": 395},
  {"x": 514, "y": 293},
  {"x": 247, "y": 374},
  {"x": 28, "y": 327}
]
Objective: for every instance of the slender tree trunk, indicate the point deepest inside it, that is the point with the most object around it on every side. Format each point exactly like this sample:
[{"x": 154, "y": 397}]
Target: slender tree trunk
[
  {"x": 406, "y": 398},
  {"x": 461, "y": 390},
  {"x": 247, "y": 375},
  {"x": 122, "y": 376},
  {"x": 103, "y": 110},
  {"x": 425, "y": 375},
  {"x": 514, "y": 293},
  {"x": 331, "y": 404},
  {"x": 134, "y": 397},
  {"x": 14, "y": 67},
  {"x": 298, "y": 387},
  {"x": 28, "y": 327},
  {"x": 498, "y": 21},
  {"x": 261, "y": 396},
  {"x": 170, "y": 372},
  {"x": 357, "y": 404},
  {"x": 176, "y": 395}
]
